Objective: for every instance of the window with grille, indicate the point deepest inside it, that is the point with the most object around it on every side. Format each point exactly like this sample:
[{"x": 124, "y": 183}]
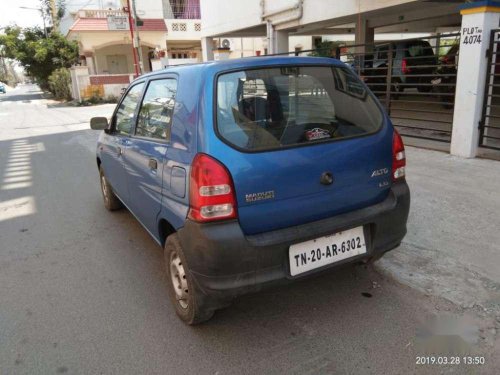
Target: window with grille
[{"x": 181, "y": 9}]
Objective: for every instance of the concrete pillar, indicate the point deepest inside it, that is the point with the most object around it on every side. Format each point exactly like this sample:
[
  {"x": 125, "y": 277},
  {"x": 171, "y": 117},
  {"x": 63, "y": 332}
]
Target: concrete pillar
[
  {"x": 79, "y": 79},
  {"x": 364, "y": 39},
  {"x": 280, "y": 42},
  {"x": 364, "y": 35},
  {"x": 89, "y": 59},
  {"x": 478, "y": 19},
  {"x": 207, "y": 46},
  {"x": 277, "y": 40},
  {"x": 221, "y": 53}
]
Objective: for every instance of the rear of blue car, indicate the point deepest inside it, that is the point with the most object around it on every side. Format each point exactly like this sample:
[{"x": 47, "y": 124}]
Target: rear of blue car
[{"x": 298, "y": 170}]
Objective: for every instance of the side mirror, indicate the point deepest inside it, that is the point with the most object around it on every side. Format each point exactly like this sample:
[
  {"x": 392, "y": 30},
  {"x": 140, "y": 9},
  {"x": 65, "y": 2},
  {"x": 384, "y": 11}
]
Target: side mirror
[{"x": 98, "y": 123}]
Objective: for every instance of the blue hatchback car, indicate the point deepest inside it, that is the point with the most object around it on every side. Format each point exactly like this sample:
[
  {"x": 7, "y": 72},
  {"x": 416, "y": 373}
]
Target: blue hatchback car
[{"x": 254, "y": 171}]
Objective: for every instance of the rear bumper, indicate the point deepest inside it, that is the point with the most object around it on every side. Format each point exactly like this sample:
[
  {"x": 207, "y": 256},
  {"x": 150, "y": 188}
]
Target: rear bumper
[{"x": 225, "y": 263}]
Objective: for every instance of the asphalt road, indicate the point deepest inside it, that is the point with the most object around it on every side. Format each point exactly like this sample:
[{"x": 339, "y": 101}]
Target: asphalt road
[{"x": 82, "y": 290}]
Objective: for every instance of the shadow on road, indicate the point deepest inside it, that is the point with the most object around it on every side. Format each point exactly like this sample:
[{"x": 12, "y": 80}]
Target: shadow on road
[
  {"x": 26, "y": 94},
  {"x": 60, "y": 105},
  {"x": 25, "y": 98}
]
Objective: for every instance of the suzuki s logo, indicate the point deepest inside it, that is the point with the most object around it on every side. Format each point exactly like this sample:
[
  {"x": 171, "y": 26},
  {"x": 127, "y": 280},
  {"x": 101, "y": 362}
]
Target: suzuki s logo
[{"x": 380, "y": 172}]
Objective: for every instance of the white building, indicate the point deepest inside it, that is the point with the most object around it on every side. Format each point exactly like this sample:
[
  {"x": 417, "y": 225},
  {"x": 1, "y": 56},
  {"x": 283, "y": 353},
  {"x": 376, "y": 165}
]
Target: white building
[
  {"x": 170, "y": 30},
  {"x": 277, "y": 20}
]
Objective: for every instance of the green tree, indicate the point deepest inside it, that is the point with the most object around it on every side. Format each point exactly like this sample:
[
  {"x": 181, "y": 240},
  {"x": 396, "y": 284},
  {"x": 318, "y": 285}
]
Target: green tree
[
  {"x": 325, "y": 49},
  {"x": 59, "y": 83},
  {"x": 38, "y": 55}
]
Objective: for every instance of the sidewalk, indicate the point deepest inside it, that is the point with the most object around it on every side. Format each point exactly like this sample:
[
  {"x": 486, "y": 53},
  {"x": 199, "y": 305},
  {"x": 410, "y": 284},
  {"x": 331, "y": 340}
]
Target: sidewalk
[{"x": 452, "y": 248}]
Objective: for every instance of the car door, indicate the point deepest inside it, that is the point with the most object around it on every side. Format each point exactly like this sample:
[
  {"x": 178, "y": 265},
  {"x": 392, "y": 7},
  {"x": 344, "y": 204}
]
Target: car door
[
  {"x": 146, "y": 153},
  {"x": 115, "y": 144}
]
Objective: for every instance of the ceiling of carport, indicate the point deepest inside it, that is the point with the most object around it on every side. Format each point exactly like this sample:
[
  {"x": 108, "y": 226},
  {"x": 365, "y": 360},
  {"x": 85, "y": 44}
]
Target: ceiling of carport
[{"x": 407, "y": 17}]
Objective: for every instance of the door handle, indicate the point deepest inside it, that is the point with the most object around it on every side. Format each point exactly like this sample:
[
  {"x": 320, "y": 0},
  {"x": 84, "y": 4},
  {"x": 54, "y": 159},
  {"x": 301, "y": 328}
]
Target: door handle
[{"x": 153, "y": 164}]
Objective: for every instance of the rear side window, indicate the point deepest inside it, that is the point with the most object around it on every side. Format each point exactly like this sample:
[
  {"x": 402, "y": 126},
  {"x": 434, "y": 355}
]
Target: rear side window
[
  {"x": 155, "y": 115},
  {"x": 124, "y": 119},
  {"x": 270, "y": 108}
]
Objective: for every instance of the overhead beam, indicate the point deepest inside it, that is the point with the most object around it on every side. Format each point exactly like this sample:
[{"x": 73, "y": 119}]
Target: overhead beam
[
  {"x": 426, "y": 10},
  {"x": 327, "y": 31},
  {"x": 428, "y": 25},
  {"x": 254, "y": 32}
]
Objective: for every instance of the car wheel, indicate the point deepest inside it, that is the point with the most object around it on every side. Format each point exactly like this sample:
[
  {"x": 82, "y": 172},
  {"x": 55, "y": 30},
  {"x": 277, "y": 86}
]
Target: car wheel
[
  {"x": 183, "y": 293},
  {"x": 111, "y": 201}
]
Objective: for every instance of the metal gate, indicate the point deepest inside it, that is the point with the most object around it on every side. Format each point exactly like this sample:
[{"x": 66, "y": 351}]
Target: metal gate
[
  {"x": 489, "y": 126},
  {"x": 414, "y": 79}
]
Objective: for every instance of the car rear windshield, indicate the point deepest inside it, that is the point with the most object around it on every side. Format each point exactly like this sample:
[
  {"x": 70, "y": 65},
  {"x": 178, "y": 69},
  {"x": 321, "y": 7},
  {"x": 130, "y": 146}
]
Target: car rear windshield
[{"x": 262, "y": 109}]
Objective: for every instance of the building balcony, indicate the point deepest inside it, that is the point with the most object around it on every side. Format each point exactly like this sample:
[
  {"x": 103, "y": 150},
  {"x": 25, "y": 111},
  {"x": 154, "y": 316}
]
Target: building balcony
[
  {"x": 183, "y": 29},
  {"x": 173, "y": 62},
  {"x": 112, "y": 20}
]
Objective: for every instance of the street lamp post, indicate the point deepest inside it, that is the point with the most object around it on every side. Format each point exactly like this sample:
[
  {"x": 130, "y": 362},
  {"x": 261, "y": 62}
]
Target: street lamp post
[
  {"x": 137, "y": 38},
  {"x": 43, "y": 18}
]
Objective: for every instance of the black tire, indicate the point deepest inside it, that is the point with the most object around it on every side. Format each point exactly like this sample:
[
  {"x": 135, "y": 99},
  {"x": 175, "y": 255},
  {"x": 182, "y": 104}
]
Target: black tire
[
  {"x": 111, "y": 201},
  {"x": 183, "y": 292}
]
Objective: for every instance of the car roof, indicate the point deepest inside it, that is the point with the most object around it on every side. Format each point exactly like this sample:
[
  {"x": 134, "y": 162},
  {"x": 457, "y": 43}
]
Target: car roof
[{"x": 214, "y": 67}]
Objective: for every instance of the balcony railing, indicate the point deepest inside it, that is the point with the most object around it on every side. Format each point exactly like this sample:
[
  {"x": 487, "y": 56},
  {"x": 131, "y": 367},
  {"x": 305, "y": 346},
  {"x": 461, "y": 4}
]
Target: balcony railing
[
  {"x": 176, "y": 9},
  {"x": 183, "y": 26},
  {"x": 173, "y": 62},
  {"x": 182, "y": 9}
]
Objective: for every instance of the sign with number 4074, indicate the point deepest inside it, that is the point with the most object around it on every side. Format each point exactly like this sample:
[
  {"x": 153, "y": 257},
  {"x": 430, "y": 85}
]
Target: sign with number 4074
[{"x": 472, "y": 39}]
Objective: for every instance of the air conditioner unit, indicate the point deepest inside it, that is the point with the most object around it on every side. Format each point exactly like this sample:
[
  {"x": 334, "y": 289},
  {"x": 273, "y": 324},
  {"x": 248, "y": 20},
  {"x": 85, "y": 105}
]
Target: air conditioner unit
[{"x": 226, "y": 43}]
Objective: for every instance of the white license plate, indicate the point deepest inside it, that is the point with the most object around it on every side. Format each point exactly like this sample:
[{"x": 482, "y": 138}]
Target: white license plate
[{"x": 306, "y": 256}]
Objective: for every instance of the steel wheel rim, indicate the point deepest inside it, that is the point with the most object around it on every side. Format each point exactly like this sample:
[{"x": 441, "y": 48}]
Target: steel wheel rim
[
  {"x": 104, "y": 188},
  {"x": 179, "y": 280}
]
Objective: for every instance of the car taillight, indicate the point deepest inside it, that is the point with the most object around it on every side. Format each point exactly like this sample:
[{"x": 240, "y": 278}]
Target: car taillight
[
  {"x": 398, "y": 157},
  {"x": 404, "y": 67},
  {"x": 211, "y": 191}
]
